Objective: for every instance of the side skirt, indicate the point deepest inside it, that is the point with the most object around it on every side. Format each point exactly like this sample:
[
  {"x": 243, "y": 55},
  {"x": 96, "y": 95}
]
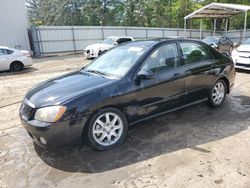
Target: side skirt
[{"x": 169, "y": 111}]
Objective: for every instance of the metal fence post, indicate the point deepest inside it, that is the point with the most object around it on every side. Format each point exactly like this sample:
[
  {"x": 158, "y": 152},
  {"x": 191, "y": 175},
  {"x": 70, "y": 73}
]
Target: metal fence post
[
  {"x": 73, "y": 38},
  {"x": 102, "y": 34},
  {"x": 40, "y": 40},
  {"x": 35, "y": 42},
  {"x": 126, "y": 31}
]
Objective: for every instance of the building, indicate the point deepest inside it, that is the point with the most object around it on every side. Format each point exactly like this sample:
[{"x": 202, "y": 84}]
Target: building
[{"x": 14, "y": 24}]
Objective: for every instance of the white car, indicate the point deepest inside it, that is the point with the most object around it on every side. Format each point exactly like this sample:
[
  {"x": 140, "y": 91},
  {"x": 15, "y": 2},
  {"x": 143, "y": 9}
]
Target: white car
[
  {"x": 13, "y": 59},
  {"x": 94, "y": 50},
  {"x": 241, "y": 56}
]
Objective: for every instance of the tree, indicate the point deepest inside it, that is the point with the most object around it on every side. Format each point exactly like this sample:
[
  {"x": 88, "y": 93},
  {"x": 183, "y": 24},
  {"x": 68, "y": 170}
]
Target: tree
[{"x": 149, "y": 13}]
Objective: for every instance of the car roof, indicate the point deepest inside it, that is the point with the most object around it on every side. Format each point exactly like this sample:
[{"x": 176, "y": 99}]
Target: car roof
[
  {"x": 4, "y": 47},
  {"x": 116, "y": 37},
  {"x": 216, "y": 37},
  {"x": 155, "y": 41}
]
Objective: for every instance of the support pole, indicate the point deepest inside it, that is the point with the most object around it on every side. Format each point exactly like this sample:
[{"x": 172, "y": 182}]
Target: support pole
[
  {"x": 185, "y": 27},
  {"x": 245, "y": 27},
  {"x": 200, "y": 29},
  {"x": 214, "y": 26},
  {"x": 226, "y": 25}
]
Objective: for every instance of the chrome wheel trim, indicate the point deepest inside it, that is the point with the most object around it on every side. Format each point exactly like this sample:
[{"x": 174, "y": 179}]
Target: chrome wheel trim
[
  {"x": 107, "y": 129},
  {"x": 218, "y": 93}
]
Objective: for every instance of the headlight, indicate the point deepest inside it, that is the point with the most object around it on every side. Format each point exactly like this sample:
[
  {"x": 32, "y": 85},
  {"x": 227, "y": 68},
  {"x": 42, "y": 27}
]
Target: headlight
[{"x": 50, "y": 114}]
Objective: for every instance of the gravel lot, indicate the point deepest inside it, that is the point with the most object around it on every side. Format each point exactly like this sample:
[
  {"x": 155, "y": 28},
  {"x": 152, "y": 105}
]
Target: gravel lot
[{"x": 195, "y": 147}]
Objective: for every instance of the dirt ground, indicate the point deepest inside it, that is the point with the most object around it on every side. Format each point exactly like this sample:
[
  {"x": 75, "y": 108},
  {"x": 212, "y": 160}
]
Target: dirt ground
[{"x": 194, "y": 147}]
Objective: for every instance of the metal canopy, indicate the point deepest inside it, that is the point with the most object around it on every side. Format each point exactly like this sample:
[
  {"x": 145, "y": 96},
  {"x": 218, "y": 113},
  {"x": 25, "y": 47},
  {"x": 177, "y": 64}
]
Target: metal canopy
[{"x": 218, "y": 10}]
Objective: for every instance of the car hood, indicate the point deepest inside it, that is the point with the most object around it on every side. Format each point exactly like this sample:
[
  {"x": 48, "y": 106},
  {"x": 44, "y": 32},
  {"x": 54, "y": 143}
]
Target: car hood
[
  {"x": 244, "y": 48},
  {"x": 98, "y": 46},
  {"x": 63, "y": 88}
]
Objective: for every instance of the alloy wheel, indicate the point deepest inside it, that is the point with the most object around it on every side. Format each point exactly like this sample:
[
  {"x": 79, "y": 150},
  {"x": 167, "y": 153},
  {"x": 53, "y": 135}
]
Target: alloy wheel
[
  {"x": 218, "y": 93},
  {"x": 107, "y": 129}
]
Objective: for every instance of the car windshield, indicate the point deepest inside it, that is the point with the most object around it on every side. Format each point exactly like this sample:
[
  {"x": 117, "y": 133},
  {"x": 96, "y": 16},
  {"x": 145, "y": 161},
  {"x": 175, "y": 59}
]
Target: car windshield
[
  {"x": 108, "y": 41},
  {"x": 247, "y": 41},
  {"x": 116, "y": 62},
  {"x": 211, "y": 40}
]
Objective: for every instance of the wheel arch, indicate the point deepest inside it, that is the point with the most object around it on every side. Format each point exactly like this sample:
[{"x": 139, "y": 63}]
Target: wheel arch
[
  {"x": 226, "y": 82},
  {"x": 16, "y": 61}
]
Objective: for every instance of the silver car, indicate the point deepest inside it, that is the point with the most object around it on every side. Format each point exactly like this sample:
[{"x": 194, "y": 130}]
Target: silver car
[{"x": 13, "y": 59}]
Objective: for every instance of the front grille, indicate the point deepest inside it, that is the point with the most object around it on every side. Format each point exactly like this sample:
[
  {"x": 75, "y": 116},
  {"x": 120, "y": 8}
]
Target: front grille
[
  {"x": 242, "y": 65},
  {"x": 27, "y": 111}
]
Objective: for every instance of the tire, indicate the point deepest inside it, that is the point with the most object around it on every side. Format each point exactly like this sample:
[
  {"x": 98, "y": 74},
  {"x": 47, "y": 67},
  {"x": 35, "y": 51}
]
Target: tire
[
  {"x": 16, "y": 66},
  {"x": 217, "y": 94},
  {"x": 106, "y": 129}
]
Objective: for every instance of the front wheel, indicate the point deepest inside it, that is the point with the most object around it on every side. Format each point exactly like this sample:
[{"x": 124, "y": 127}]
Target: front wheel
[
  {"x": 107, "y": 129},
  {"x": 217, "y": 94}
]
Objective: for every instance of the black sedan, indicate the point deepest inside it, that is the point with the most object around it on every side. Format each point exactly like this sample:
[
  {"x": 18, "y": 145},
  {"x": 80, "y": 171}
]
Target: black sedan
[
  {"x": 220, "y": 43},
  {"x": 130, "y": 83}
]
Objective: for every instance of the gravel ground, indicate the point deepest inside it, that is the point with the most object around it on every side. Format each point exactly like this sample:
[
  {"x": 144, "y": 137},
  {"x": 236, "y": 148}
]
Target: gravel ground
[{"x": 194, "y": 147}]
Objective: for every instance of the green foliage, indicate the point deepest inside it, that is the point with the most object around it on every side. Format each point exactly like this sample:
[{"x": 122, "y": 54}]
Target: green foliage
[{"x": 149, "y": 13}]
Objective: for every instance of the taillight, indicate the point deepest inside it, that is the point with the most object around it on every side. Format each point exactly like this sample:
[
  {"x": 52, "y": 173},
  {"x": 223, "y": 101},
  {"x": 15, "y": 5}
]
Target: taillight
[{"x": 27, "y": 54}]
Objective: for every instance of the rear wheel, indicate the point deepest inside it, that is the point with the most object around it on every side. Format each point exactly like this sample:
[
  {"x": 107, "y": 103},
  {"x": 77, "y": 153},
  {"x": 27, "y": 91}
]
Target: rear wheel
[
  {"x": 107, "y": 129},
  {"x": 217, "y": 94},
  {"x": 16, "y": 66}
]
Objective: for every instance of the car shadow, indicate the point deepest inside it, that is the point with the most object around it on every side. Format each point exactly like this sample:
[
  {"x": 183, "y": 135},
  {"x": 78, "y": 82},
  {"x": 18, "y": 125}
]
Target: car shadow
[
  {"x": 187, "y": 128},
  {"x": 23, "y": 71}
]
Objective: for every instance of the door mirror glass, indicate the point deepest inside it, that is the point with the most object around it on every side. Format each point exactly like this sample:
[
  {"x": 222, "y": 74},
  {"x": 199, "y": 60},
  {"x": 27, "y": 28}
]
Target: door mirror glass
[{"x": 145, "y": 74}]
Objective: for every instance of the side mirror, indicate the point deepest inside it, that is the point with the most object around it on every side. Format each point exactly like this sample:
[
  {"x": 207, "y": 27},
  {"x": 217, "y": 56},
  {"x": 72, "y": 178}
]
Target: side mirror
[
  {"x": 145, "y": 74},
  {"x": 115, "y": 43}
]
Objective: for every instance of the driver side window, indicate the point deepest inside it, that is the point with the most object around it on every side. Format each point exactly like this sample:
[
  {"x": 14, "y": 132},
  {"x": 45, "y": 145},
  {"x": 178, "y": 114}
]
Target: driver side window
[{"x": 163, "y": 58}]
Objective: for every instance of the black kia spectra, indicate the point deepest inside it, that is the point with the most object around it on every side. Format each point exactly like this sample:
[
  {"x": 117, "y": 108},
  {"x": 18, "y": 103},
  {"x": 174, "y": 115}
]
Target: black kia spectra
[{"x": 128, "y": 84}]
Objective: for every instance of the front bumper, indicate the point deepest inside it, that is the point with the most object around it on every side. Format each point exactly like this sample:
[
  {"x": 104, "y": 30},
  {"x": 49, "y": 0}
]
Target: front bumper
[
  {"x": 241, "y": 60},
  {"x": 55, "y": 134},
  {"x": 90, "y": 54}
]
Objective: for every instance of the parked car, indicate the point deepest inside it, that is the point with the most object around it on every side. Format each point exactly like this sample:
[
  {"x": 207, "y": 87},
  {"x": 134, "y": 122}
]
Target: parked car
[
  {"x": 13, "y": 59},
  {"x": 94, "y": 50},
  {"x": 128, "y": 84},
  {"x": 241, "y": 56},
  {"x": 221, "y": 43}
]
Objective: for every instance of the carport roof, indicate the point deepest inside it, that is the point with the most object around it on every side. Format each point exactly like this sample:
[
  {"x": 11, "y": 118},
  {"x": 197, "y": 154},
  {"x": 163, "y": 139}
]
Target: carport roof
[{"x": 218, "y": 10}]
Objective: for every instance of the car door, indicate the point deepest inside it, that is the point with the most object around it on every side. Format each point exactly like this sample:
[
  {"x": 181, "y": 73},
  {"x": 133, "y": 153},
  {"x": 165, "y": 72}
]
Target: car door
[
  {"x": 198, "y": 64},
  {"x": 165, "y": 90},
  {"x": 4, "y": 60}
]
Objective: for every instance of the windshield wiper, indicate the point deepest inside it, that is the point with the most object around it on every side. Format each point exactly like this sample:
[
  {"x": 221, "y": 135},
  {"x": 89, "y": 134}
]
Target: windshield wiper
[{"x": 97, "y": 72}]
